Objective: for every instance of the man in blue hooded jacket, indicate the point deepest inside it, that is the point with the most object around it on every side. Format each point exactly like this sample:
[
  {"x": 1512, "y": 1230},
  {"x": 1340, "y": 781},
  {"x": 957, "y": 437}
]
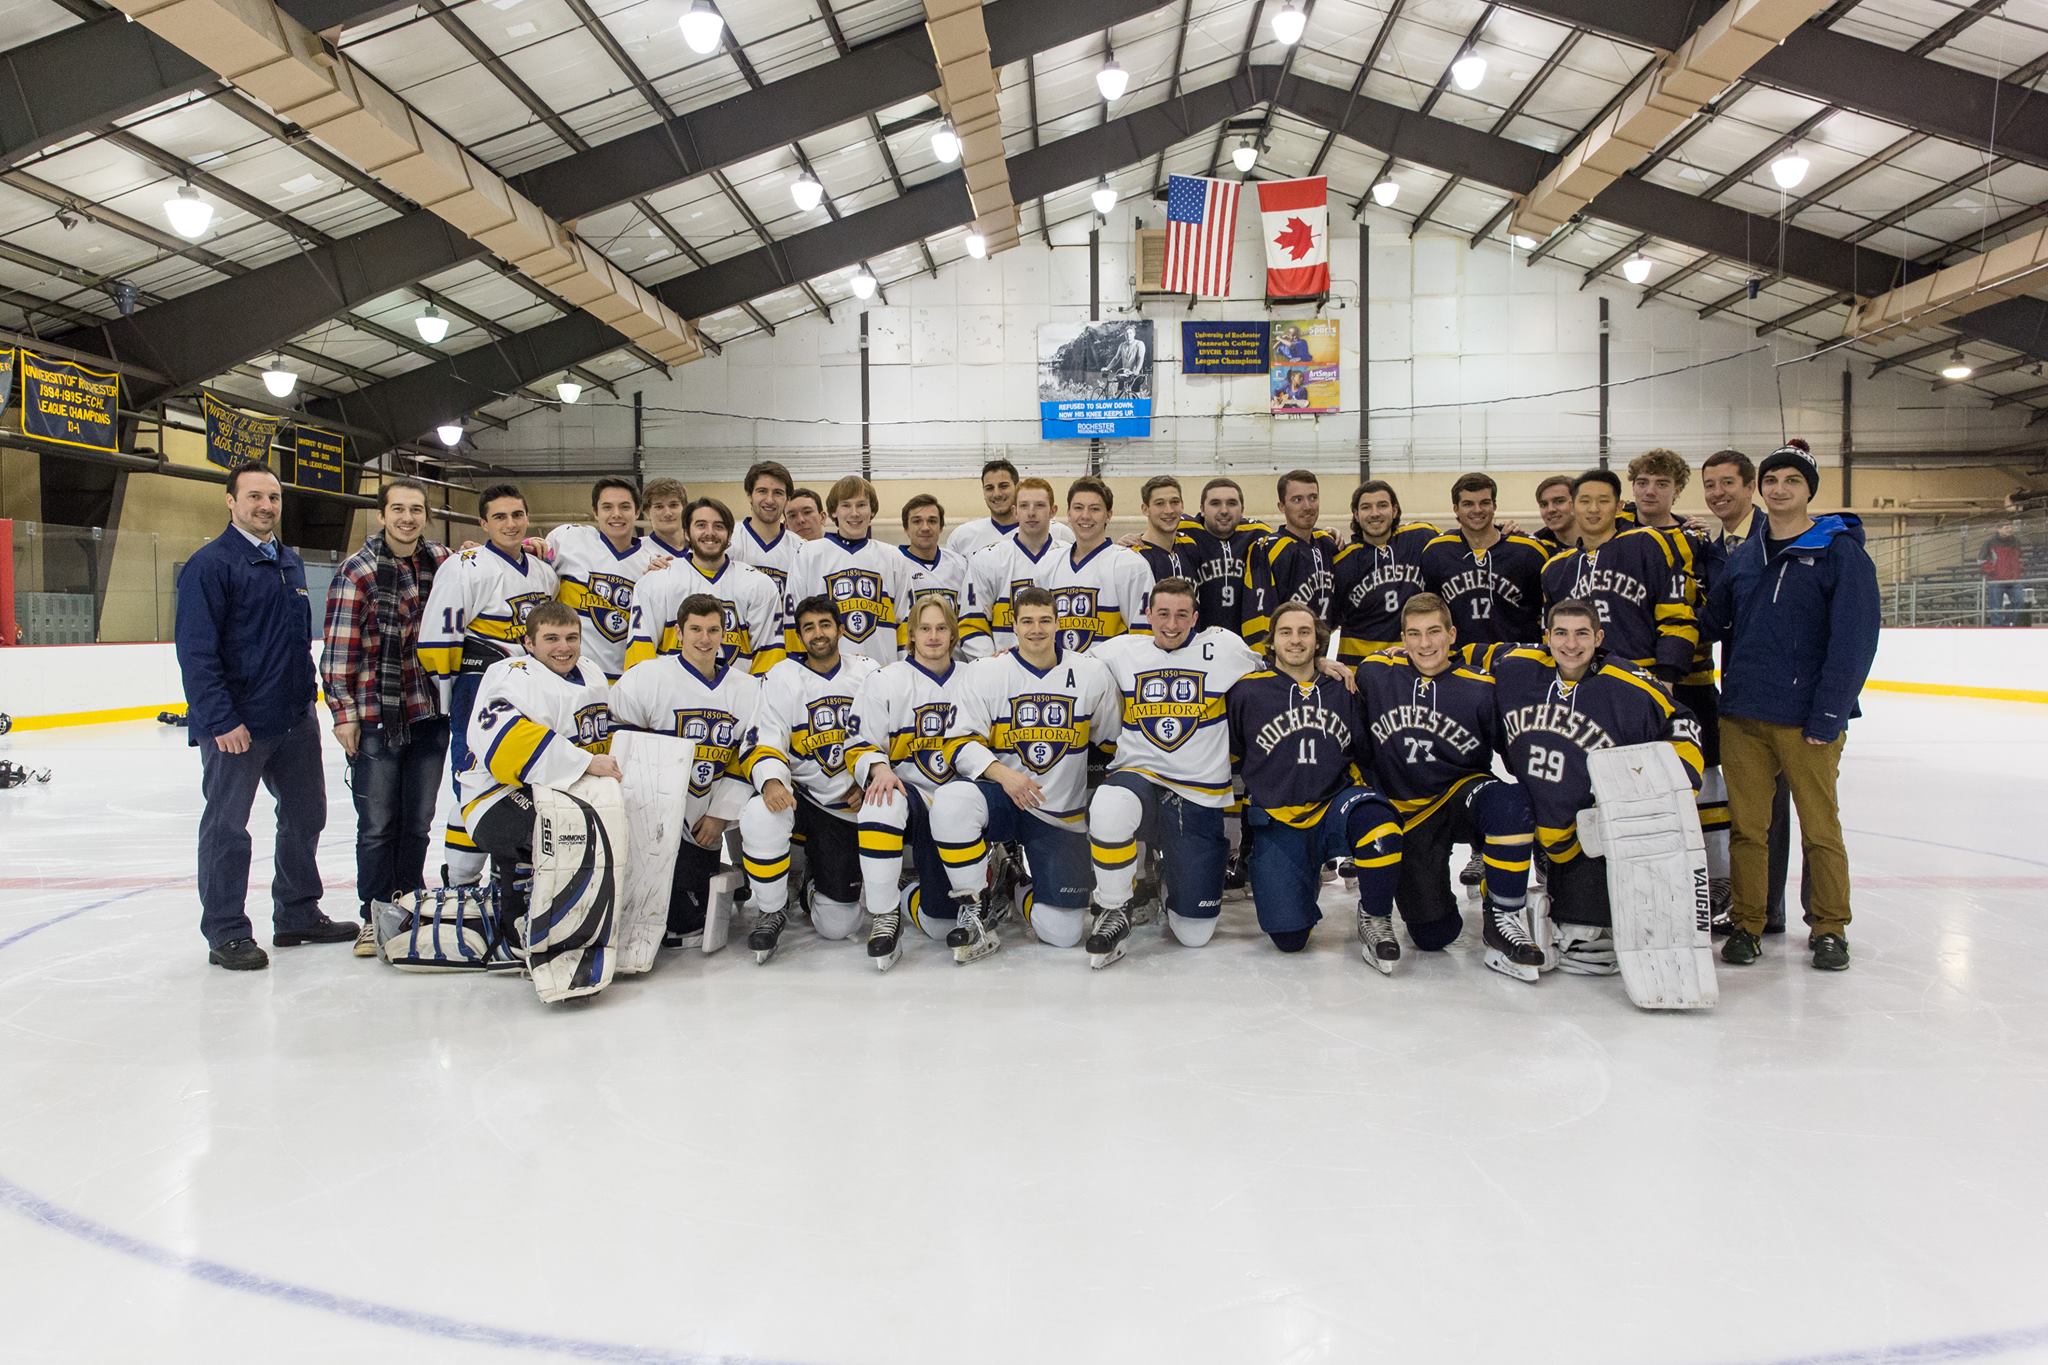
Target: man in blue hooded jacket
[{"x": 1798, "y": 608}]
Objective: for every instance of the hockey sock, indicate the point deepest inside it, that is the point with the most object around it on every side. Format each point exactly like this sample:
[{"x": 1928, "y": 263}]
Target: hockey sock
[
  {"x": 1114, "y": 814},
  {"x": 1509, "y": 827},
  {"x": 959, "y": 818},
  {"x": 1375, "y": 838},
  {"x": 881, "y": 852},
  {"x": 764, "y": 852}
]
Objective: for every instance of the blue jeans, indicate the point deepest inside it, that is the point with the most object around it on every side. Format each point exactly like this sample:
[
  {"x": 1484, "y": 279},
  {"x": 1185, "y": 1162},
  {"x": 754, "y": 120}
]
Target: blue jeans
[
  {"x": 288, "y": 765},
  {"x": 2005, "y": 600},
  {"x": 394, "y": 788}
]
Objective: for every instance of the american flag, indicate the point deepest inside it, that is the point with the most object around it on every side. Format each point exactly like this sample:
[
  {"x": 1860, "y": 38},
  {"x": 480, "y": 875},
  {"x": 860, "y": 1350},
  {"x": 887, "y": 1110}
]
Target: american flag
[{"x": 1201, "y": 227}]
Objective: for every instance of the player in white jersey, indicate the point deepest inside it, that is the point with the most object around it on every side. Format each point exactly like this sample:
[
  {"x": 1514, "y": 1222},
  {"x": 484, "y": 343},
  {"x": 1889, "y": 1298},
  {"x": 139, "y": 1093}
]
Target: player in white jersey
[
  {"x": 753, "y": 605},
  {"x": 904, "y": 744},
  {"x": 806, "y": 703},
  {"x": 663, "y": 500},
  {"x": 543, "y": 717},
  {"x": 999, "y": 571},
  {"x": 999, "y": 489},
  {"x": 475, "y": 616},
  {"x": 761, "y": 540},
  {"x": 933, "y": 570},
  {"x": 1100, "y": 588},
  {"x": 864, "y": 578},
  {"x": 1169, "y": 780},
  {"x": 691, "y": 695},
  {"x": 599, "y": 566},
  {"x": 1033, "y": 713}
]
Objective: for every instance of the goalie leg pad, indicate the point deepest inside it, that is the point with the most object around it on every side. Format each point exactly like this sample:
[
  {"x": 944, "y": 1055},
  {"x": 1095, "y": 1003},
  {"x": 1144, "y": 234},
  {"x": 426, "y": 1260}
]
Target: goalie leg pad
[
  {"x": 1585, "y": 950},
  {"x": 579, "y": 842},
  {"x": 656, "y": 785},
  {"x": 444, "y": 929},
  {"x": 1646, "y": 825}
]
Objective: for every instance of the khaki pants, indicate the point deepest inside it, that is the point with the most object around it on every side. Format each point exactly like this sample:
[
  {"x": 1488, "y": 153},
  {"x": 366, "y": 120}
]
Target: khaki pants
[{"x": 1753, "y": 755}]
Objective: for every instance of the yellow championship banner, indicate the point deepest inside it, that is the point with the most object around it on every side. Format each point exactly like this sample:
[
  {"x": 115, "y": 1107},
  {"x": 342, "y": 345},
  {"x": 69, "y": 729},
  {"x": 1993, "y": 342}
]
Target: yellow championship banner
[
  {"x": 65, "y": 402},
  {"x": 235, "y": 437}
]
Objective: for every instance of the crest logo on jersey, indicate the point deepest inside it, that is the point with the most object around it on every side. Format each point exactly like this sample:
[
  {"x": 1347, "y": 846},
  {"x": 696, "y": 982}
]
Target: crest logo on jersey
[
  {"x": 594, "y": 728},
  {"x": 716, "y": 735},
  {"x": 1168, "y": 705},
  {"x": 926, "y": 741},
  {"x": 1078, "y": 622},
  {"x": 857, "y": 596},
  {"x": 829, "y": 719},
  {"x": 610, "y": 605},
  {"x": 521, "y": 606},
  {"x": 1042, "y": 730}
]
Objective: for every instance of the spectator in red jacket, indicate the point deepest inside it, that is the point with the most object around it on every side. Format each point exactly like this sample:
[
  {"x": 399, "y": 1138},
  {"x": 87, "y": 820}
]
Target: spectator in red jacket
[{"x": 2003, "y": 568}]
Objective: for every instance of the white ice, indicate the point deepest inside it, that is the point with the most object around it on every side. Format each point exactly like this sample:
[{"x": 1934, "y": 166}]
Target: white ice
[{"x": 1215, "y": 1155}]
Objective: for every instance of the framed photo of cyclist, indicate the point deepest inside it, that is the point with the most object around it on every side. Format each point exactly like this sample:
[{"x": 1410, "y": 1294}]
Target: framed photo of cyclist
[{"x": 1095, "y": 379}]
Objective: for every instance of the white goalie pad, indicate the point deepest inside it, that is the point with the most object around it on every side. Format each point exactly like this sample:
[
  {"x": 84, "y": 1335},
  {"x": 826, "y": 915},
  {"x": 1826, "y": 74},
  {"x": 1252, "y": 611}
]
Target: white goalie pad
[
  {"x": 579, "y": 846},
  {"x": 657, "y": 783},
  {"x": 443, "y": 929},
  {"x": 1645, "y": 824}
]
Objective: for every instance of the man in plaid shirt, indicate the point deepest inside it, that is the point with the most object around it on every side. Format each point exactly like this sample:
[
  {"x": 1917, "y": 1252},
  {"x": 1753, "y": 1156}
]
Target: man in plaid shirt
[{"x": 387, "y": 712}]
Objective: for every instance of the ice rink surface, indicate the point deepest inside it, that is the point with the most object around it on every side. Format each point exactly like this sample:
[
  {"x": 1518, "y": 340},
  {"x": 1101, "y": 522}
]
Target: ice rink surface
[{"x": 1215, "y": 1155}]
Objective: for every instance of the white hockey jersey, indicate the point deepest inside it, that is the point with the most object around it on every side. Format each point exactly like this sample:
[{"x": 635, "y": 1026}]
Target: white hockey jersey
[
  {"x": 945, "y": 576},
  {"x": 753, "y": 614},
  {"x": 532, "y": 724},
  {"x": 776, "y": 558},
  {"x": 1099, "y": 597},
  {"x": 476, "y": 614},
  {"x": 597, "y": 583},
  {"x": 969, "y": 538},
  {"x": 908, "y": 716},
  {"x": 1174, "y": 731},
  {"x": 804, "y": 715},
  {"x": 1041, "y": 724},
  {"x": 866, "y": 581},
  {"x": 998, "y": 573},
  {"x": 719, "y": 714}
]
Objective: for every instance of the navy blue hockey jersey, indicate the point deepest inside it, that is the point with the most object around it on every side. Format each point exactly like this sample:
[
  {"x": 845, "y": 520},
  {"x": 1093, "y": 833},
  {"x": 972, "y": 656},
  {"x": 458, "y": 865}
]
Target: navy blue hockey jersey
[
  {"x": 1295, "y": 746},
  {"x": 1638, "y": 582},
  {"x": 1373, "y": 583},
  {"x": 1496, "y": 594},
  {"x": 1426, "y": 737},
  {"x": 1286, "y": 567}
]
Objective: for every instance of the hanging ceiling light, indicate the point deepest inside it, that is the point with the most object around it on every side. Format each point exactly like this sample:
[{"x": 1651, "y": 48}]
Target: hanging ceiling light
[
  {"x": 946, "y": 142},
  {"x": 702, "y": 26},
  {"x": 1103, "y": 197},
  {"x": 279, "y": 380},
  {"x": 450, "y": 434},
  {"x": 1112, "y": 80},
  {"x": 1289, "y": 23},
  {"x": 1957, "y": 367},
  {"x": 1468, "y": 71},
  {"x": 1789, "y": 169},
  {"x": 568, "y": 391},
  {"x": 807, "y": 192},
  {"x": 1524, "y": 242},
  {"x": 1636, "y": 268},
  {"x": 1244, "y": 156},
  {"x": 977, "y": 245},
  {"x": 862, "y": 284},
  {"x": 1385, "y": 193},
  {"x": 431, "y": 325},
  {"x": 189, "y": 214}
]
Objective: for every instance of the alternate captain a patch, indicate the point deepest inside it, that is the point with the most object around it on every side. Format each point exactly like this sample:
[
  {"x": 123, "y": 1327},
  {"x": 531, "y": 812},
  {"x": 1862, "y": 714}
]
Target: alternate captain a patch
[
  {"x": 857, "y": 598},
  {"x": 1168, "y": 705},
  {"x": 1041, "y": 730}
]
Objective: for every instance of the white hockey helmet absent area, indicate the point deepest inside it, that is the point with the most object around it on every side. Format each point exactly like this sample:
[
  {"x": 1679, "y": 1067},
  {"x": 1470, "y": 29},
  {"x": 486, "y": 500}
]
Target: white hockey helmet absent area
[{"x": 1222, "y": 1155}]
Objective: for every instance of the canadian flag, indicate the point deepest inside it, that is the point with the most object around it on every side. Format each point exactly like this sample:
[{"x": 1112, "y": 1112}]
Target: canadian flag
[{"x": 1296, "y": 216}]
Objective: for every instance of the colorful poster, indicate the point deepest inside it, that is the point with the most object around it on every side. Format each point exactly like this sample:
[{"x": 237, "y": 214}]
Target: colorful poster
[
  {"x": 6, "y": 378},
  {"x": 1094, "y": 380},
  {"x": 235, "y": 437},
  {"x": 1304, "y": 374},
  {"x": 317, "y": 459},
  {"x": 1224, "y": 347},
  {"x": 65, "y": 402}
]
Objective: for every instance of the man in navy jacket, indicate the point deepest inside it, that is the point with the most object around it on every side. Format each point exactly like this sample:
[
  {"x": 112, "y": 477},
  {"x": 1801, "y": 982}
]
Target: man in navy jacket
[
  {"x": 1798, "y": 607},
  {"x": 245, "y": 628}
]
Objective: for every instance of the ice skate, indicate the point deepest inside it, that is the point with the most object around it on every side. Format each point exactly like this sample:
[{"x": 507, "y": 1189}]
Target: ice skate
[
  {"x": 1721, "y": 895},
  {"x": 1237, "y": 877},
  {"x": 1107, "y": 941},
  {"x": 767, "y": 933},
  {"x": 972, "y": 939},
  {"x": 885, "y": 940},
  {"x": 1376, "y": 942},
  {"x": 1474, "y": 871},
  {"x": 1509, "y": 949}
]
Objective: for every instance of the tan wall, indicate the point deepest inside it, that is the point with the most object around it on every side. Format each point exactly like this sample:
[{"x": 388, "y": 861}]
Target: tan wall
[{"x": 163, "y": 520}]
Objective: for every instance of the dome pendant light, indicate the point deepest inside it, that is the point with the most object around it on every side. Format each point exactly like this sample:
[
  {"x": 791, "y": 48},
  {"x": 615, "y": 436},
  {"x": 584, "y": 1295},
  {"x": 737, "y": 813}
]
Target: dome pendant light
[
  {"x": 702, "y": 27},
  {"x": 1636, "y": 268},
  {"x": 1104, "y": 197},
  {"x": 279, "y": 380},
  {"x": 1289, "y": 23},
  {"x": 189, "y": 214},
  {"x": 946, "y": 142},
  {"x": 431, "y": 325}
]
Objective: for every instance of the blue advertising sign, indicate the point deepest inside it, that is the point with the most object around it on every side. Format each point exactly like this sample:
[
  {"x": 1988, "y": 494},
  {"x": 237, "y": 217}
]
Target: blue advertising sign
[
  {"x": 1224, "y": 347},
  {"x": 1095, "y": 380}
]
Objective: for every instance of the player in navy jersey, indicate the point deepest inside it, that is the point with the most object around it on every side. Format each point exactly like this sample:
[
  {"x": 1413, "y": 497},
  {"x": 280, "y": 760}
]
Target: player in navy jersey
[
  {"x": 1555, "y": 705},
  {"x": 1433, "y": 729},
  {"x": 1224, "y": 539},
  {"x": 1296, "y": 735},
  {"x": 1377, "y": 572},
  {"x": 1492, "y": 580},
  {"x": 1295, "y": 564},
  {"x": 1634, "y": 578}
]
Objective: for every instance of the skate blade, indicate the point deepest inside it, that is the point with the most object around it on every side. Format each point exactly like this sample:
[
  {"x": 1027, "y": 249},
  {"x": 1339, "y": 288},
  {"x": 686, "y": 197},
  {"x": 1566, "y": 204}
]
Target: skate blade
[
  {"x": 883, "y": 964},
  {"x": 975, "y": 952},
  {"x": 1506, "y": 966},
  {"x": 761, "y": 955},
  {"x": 1097, "y": 961},
  {"x": 1383, "y": 965}
]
